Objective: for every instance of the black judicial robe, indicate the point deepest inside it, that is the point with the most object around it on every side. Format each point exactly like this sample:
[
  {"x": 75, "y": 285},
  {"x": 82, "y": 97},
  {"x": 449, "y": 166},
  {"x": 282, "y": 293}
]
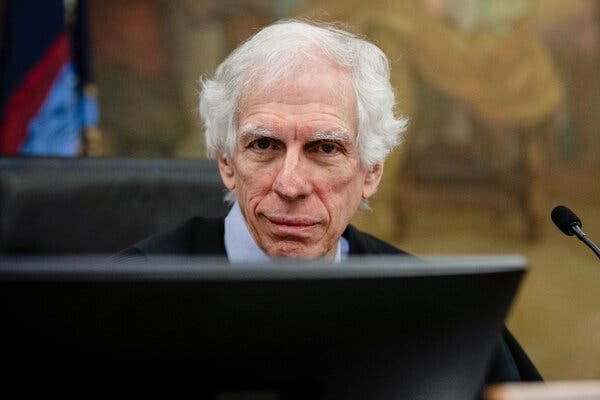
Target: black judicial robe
[{"x": 206, "y": 236}]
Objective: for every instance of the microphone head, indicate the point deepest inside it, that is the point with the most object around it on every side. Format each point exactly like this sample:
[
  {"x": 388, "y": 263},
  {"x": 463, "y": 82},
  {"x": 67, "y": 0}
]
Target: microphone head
[{"x": 564, "y": 219}]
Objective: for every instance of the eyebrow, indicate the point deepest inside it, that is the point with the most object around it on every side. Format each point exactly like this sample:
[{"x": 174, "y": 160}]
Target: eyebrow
[
  {"x": 336, "y": 136},
  {"x": 251, "y": 131}
]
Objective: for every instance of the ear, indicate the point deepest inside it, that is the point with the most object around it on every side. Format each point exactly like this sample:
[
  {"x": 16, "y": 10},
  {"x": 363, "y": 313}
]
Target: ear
[
  {"x": 227, "y": 171},
  {"x": 372, "y": 179}
]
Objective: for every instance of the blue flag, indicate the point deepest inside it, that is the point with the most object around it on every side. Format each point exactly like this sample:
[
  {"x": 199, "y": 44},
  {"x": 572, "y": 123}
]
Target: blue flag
[{"x": 45, "y": 78}]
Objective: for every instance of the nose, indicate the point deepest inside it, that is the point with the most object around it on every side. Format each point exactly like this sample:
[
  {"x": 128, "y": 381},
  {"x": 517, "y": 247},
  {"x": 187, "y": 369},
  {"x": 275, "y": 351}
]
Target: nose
[{"x": 292, "y": 180}]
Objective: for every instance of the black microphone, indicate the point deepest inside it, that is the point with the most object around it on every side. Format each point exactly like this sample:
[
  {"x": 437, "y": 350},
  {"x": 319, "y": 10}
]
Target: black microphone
[{"x": 570, "y": 224}]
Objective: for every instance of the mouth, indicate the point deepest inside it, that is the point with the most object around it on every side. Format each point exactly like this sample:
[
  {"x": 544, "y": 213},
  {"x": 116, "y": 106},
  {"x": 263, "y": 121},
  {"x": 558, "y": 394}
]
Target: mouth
[{"x": 286, "y": 226}]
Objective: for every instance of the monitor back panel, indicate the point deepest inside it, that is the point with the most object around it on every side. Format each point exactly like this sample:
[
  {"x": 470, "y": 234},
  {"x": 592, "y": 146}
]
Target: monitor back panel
[{"x": 407, "y": 336}]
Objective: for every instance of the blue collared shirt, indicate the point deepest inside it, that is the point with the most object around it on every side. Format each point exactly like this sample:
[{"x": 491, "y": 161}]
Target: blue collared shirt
[{"x": 241, "y": 247}]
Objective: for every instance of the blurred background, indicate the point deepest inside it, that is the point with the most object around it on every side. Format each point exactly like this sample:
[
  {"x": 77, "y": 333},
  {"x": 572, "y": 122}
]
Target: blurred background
[{"x": 502, "y": 97}]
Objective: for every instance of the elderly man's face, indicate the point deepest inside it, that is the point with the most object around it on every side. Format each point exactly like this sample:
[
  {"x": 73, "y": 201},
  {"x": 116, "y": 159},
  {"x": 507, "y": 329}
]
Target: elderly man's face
[{"x": 296, "y": 170}]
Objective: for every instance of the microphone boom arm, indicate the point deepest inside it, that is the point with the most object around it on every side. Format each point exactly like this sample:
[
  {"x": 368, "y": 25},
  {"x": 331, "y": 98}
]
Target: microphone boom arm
[{"x": 583, "y": 237}]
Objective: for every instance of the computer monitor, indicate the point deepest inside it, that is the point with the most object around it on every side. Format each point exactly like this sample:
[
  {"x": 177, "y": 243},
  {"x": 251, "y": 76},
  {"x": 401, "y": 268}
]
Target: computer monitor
[{"x": 370, "y": 327}]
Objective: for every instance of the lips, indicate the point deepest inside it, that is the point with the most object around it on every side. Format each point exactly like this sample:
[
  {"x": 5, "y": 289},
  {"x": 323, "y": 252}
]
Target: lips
[
  {"x": 286, "y": 226},
  {"x": 292, "y": 221}
]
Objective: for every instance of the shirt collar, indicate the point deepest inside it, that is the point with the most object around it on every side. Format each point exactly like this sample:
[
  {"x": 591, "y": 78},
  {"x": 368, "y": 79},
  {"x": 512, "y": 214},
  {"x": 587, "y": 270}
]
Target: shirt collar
[{"x": 241, "y": 247}]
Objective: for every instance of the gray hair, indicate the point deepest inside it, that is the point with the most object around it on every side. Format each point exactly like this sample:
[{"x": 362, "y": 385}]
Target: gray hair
[{"x": 273, "y": 53}]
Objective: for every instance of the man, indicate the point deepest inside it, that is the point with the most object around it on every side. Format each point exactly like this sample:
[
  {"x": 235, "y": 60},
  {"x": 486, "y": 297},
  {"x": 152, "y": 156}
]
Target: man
[{"x": 300, "y": 119}]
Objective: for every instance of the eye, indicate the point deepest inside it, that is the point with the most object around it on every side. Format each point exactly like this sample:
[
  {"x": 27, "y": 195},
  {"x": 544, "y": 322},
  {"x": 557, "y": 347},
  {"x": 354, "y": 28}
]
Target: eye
[
  {"x": 262, "y": 144},
  {"x": 325, "y": 147}
]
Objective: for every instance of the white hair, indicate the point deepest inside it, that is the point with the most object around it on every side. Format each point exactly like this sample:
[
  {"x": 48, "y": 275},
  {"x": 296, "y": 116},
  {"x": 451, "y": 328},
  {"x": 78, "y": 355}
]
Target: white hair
[{"x": 273, "y": 54}]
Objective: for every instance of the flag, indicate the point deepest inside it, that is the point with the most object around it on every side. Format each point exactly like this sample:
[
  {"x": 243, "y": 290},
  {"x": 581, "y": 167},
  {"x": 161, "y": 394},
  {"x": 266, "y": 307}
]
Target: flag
[{"x": 45, "y": 78}]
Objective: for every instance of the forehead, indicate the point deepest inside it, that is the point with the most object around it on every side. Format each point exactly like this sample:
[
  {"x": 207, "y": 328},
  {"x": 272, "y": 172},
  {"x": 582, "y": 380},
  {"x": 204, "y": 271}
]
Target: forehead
[{"x": 314, "y": 93}]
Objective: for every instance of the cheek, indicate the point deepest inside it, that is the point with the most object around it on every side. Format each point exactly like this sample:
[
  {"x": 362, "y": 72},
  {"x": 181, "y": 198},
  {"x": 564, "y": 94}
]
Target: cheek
[
  {"x": 342, "y": 191},
  {"x": 254, "y": 181},
  {"x": 347, "y": 179}
]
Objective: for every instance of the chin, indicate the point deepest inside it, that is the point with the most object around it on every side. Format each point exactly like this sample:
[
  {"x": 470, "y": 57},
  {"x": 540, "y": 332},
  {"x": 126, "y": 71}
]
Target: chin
[{"x": 295, "y": 250}]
